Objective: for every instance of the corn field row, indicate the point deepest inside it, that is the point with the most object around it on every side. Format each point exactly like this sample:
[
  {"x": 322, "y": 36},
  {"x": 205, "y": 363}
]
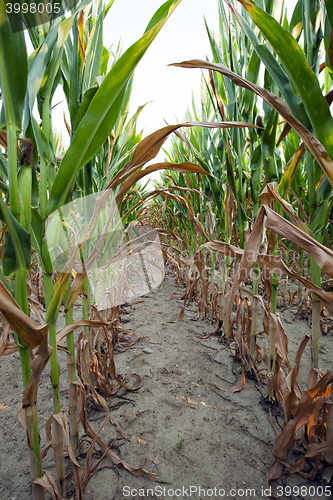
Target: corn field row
[{"x": 243, "y": 206}]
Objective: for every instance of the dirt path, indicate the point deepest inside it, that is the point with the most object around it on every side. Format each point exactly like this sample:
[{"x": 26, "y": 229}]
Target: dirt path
[{"x": 180, "y": 426}]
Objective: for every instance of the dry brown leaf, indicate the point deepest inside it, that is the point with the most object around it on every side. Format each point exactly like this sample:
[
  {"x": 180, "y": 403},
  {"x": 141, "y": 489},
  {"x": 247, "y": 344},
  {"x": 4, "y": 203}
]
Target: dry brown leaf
[
  {"x": 304, "y": 412},
  {"x": 48, "y": 483},
  {"x": 237, "y": 387},
  {"x": 321, "y": 254},
  {"x": 136, "y": 471},
  {"x": 281, "y": 340},
  {"x": 61, "y": 419},
  {"x": 290, "y": 400},
  {"x": 313, "y": 450},
  {"x": 148, "y": 148},
  {"x": 316, "y": 148},
  {"x": 270, "y": 192},
  {"x": 82, "y": 322},
  {"x": 37, "y": 366},
  {"x": 30, "y": 332}
]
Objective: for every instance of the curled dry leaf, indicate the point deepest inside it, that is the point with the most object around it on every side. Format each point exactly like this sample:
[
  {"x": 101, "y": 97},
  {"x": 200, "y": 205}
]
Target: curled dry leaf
[
  {"x": 82, "y": 322},
  {"x": 290, "y": 400},
  {"x": 281, "y": 340},
  {"x": 322, "y": 255},
  {"x": 61, "y": 419},
  {"x": 314, "y": 450},
  {"x": 315, "y": 146},
  {"x": 302, "y": 416},
  {"x": 7, "y": 346},
  {"x": 48, "y": 483},
  {"x": 37, "y": 366},
  {"x": 148, "y": 148},
  {"x": 270, "y": 192},
  {"x": 30, "y": 332},
  {"x": 136, "y": 471},
  {"x": 237, "y": 387}
]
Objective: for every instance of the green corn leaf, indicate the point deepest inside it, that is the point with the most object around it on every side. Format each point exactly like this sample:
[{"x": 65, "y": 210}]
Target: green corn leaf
[
  {"x": 85, "y": 103},
  {"x": 252, "y": 74},
  {"x": 296, "y": 22},
  {"x": 38, "y": 62},
  {"x": 36, "y": 231},
  {"x": 299, "y": 73},
  {"x": 51, "y": 71},
  {"x": 269, "y": 136},
  {"x": 38, "y": 241},
  {"x": 256, "y": 174},
  {"x": 14, "y": 72},
  {"x": 329, "y": 9},
  {"x": 108, "y": 7},
  {"x": 319, "y": 219},
  {"x": 3, "y": 167},
  {"x": 102, "y": 113},
  {"x": 4, "y": 281},
  {"x": 17, "y": 248},
  {"x": 275, "y": 70},
  {"x": 161, "y": 16},
  {"x": 71, "y": 86},
  {"x": 59, "y": 291},
  {"x": 105, "y": 60},
  {"x": 25, "y": 190},
  {"x": 41, "y": 141},
  {"x": 94, "y": 51}
]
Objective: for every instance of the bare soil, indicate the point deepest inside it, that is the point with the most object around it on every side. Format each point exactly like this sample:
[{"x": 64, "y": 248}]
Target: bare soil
[{"x": 202, "y": 441}]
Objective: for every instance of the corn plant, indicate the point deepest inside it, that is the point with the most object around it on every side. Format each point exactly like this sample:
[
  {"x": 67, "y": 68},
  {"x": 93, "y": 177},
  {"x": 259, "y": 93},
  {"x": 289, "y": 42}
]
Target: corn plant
[
  {"x": 293, "y": 91},
  {"x": 21, "y": 87}
]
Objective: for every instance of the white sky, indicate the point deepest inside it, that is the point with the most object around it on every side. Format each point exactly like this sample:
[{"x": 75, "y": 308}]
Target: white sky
[{"x": 182, "y": 37}]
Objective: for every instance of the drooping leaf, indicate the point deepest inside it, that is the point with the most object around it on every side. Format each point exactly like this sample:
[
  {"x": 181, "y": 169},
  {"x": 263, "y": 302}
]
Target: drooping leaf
[
  {"x": 316, "y": 147},
  {"x": 30, "y": 332},
  {"x": 299, "y": 73}
]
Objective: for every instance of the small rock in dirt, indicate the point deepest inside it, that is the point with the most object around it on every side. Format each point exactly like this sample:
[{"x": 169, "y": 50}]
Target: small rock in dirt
[{"x": 147, "y": 350}]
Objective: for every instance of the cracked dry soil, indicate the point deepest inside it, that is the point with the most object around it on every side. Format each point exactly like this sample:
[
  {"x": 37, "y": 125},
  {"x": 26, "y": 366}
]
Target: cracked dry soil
[{"x": 180, "y": 426}]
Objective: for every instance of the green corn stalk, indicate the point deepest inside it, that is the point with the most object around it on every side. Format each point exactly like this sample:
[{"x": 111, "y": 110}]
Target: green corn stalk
[
  {"x": 71, "y": 373},
  {"x": 256, "y": 175},
  {"x": 13, "y": 81},
  {"x": 271, "y": 174},
  {"x": 45, "y": 94}
]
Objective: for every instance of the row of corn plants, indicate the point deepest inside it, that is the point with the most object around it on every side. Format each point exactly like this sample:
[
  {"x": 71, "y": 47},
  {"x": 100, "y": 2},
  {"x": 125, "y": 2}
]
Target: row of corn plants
[{"x": 265, "y": 204}]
